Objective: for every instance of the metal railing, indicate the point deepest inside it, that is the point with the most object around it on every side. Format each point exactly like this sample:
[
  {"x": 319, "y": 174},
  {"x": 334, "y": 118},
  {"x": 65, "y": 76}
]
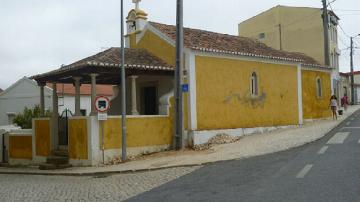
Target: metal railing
[{"x": 3, "y": 147}]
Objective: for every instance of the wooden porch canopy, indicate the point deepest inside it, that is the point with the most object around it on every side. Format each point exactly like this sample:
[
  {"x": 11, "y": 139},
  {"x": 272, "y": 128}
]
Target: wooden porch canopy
[{"x": 107, "y": 66}]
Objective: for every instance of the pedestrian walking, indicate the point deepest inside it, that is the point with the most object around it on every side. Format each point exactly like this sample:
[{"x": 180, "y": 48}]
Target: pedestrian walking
[
  {"x": 345, "y": 102},
  {"x": 333, "y": 105}
]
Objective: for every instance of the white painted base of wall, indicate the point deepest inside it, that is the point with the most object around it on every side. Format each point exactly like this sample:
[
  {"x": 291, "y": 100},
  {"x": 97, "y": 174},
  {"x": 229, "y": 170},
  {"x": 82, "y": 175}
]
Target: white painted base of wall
[
  {"x": 37, "y": 160},
  {"x": 133, "y": 151},
  {"x": 313, "y": 120},
  {"x": 20, "y": 162},
  {"x": 202, "y": 137},
  {"x": 80, "y": 162}
]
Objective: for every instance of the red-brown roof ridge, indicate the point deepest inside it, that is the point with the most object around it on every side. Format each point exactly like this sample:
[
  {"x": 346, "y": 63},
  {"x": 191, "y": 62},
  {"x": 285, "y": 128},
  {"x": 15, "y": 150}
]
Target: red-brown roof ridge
[
  {"x": 208, "y": 41},
  {"x": 85, "y": 89},
  {"x": 132, "y": 57}
]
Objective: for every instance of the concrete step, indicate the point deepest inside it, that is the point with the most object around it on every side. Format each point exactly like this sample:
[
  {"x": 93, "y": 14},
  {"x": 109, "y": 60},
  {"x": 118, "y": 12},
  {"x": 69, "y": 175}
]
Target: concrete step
[
  {"x": 63, "y": 147},
  {"x": 63, "y": 153},
  {"x": 48, "y": 166},
  {"x": 57, "y": 160}
]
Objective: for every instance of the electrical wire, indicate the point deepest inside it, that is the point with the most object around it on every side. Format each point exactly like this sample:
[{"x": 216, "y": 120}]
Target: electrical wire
[
  {"x": 342, "y": 41},
  {"x": 331, "y": 2},
  {"x": 347, "y": 10},
  {"x": 353, "y": 14},
  {"x": 342, "y": 29}
]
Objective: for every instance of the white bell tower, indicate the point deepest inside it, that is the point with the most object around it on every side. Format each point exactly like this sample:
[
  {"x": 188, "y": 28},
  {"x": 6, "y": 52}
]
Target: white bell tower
[{"x": 136, "y": 19}]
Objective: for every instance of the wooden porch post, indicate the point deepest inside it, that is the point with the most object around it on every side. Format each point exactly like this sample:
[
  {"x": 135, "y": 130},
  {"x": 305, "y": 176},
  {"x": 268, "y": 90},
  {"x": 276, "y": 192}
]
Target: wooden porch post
[
  {"x": 134, "y": 110},
  {"x": 55, "y": 119},
  {"x": 77, "y": 85},
  {"x": 42, "y": 98},
  {"x": 93, "y": 94}
]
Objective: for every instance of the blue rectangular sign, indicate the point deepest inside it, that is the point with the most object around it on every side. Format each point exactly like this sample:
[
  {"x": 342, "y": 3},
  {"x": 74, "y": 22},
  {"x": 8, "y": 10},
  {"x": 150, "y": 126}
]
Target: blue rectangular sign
[{"x": 185, "y": 88}]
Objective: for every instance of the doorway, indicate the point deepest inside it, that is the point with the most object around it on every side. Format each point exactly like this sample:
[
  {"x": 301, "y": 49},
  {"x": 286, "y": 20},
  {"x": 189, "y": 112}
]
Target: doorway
[
  {"x": 63, "y": 127},
  {"x": 149, "y": 102}
]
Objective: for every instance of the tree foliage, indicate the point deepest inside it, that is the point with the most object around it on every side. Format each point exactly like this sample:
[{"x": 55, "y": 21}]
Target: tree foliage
[{"x": 24, "y": 120}]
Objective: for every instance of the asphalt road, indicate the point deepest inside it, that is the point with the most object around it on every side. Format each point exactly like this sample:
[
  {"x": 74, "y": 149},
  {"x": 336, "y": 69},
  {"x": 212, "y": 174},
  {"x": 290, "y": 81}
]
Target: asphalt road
[{"x": 326, "y": 170}]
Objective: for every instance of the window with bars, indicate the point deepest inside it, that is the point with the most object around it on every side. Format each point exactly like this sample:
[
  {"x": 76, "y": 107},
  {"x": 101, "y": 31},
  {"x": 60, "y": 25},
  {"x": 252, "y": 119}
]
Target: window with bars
[
  {"x": 318, "y": 87},
  {"x": 254, "y": 84}
]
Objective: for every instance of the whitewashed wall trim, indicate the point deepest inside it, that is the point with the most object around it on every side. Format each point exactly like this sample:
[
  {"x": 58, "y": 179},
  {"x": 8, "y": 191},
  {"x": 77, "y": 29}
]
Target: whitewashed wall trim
[
  {"x": 192, "y": 90},
  {"x": 300, "y": 101}
]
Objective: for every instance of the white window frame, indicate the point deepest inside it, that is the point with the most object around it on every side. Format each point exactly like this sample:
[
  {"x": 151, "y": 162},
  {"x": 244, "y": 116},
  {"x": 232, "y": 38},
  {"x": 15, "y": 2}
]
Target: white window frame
[
  {"x": 254, "y": 84},
  {"x": 262, "y": 36},
  {"x": 10, "y": 117}
]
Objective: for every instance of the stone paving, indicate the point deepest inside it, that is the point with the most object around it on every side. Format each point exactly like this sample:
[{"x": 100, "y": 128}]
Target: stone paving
[{"x": 96, "y": 188}]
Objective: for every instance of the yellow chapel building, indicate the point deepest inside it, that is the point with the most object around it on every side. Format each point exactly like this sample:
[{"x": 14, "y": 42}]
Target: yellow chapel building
[
  {"x": 237, "y": 82},
  {"x": 237, "y": 86}
]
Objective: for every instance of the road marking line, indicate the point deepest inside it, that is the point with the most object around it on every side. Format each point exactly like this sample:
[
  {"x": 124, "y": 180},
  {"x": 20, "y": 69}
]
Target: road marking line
[
  {"x": 348, "y": 123},
  {"x": 323, "y": 150},
  {"x": 304, "y": 171},
  {"x": 359, "y": 142},
  {"x": 338, "y": 138}
]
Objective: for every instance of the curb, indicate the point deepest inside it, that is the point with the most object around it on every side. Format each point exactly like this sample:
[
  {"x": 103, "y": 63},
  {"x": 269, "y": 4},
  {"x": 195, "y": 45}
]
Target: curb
[{"x": 108, "y": 173}]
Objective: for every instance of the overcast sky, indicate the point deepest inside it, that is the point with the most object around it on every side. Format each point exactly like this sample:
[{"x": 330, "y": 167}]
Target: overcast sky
[{"x": 39, "y": 35}]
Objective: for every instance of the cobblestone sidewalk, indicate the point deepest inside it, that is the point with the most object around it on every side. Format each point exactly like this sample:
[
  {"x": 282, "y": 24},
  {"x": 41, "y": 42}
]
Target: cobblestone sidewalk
[{"x": 96, "y": 188}]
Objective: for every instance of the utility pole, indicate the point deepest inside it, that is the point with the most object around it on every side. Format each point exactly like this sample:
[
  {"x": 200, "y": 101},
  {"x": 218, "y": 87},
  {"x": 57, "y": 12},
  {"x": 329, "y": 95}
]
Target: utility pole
[
  {"x": 280, "y": 37},
  {"x": 123, "y": 89},
  {"x": 352, "y": 70},
  {"x": 326, "y": 33},
  {"x": 179, "y": 122}
]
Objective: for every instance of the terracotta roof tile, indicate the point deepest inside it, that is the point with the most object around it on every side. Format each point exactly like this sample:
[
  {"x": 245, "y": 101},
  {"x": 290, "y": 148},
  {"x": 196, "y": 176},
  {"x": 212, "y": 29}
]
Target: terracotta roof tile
[
  {"x": 138, "y": 59},
  {"x": 85, "y": 89},
  {"x": 215, "y": 42},
  {"x": 133, "y": 57}
]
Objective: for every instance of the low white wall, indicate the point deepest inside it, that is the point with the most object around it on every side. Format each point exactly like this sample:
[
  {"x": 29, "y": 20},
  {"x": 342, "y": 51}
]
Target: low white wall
[
  {"x": 202, "y": 137},
  {"x": 115, "y": 154}
]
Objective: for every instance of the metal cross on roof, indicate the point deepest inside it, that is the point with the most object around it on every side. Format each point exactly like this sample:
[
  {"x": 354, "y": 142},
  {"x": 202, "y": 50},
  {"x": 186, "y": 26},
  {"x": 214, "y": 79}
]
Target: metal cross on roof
[{"x": 136, "y": 2}]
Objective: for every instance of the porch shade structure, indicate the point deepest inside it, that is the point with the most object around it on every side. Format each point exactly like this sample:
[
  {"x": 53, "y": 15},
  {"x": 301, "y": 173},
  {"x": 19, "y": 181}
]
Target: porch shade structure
[
  {"x": 106, "y": 66},
  {"x": 101, "y": 68}
]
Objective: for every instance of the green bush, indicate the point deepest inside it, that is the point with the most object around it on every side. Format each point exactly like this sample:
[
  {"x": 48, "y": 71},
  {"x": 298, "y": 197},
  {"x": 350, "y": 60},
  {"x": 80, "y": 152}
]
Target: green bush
[{"x": 24, "y": 120}]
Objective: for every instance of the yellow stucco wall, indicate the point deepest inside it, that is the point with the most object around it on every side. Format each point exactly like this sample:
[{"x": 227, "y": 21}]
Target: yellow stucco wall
[
  {"x": 20, "y": 147},
  {"x": 157, "y": 46},
  {"x": 42, "y": 137},
  {"x": 141, "y": 132},
  {"x": 314, "y": 107},
  {"x": 298, "y": 25},
  {"x": 78, "y": 139},
  {"x": 223, "y": 94},
  {"x": 132, "y": 40},
  {"x": 263, "y": 23}
]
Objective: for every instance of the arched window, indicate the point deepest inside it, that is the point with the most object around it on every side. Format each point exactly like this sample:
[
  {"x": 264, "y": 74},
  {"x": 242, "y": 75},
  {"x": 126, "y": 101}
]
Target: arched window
[
  {"x": 318, "y": 87},
  {"x": 254, "y": 84}
]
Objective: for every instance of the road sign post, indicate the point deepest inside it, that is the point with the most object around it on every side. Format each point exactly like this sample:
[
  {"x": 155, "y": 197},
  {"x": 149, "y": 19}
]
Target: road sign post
[{"x": 102, "y": 105}]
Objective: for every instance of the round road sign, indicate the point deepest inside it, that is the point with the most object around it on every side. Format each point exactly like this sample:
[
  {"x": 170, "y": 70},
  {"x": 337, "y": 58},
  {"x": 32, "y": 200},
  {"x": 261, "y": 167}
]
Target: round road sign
[{"x": 102, "y": 104}]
